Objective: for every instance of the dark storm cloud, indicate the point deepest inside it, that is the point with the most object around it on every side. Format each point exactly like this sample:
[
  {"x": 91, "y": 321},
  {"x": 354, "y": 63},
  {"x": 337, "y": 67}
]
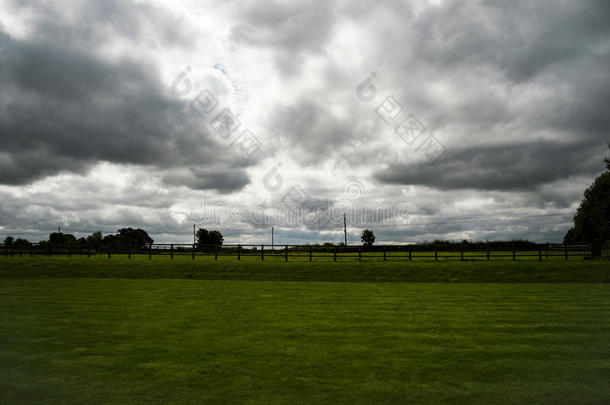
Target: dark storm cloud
[
  {"x": 291, "y": 29},
  {"x": 313, "y": 132},
  {"x": 100, "y": 21},
  {"x": 519, "y": 38},
  {"x": 500, "y": 167},
  {"x": 66, "y": 109},
  {"x": 531, "y": 76},
  {"x": 196, "y": 179}
]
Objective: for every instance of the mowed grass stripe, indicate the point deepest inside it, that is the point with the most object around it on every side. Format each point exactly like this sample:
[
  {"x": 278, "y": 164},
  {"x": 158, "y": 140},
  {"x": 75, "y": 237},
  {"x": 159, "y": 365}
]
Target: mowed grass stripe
[
  {"x": 252, "y": 268},
  {"x": 193, "y": 341}
]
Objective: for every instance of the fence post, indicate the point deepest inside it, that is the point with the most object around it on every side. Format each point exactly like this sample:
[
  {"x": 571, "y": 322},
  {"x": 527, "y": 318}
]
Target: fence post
[
  {"x": 31, "y": 250},
  {"x": 410, "y": 253},
  {"x": 487, "y": 251},
  {"x": 109, "y": 251},
  {"x": 286, "y": 254},
  {"x": 216, "y": 253},
  {"x": 462, "y": 253},
  {"x": 360, "y": 253},
  {"x": 262, "y": 252},
  {"x": 335, "y": 256},
  {"x": 193, "y": 252},
  {"x": 565, "y": 247},
  {"x": 88, "y": 252},
  {"x": 310, "y": 253},
  {"x": 435, "y": 254},
  {"x": 149, "y": 251},
  {"x": 384, "y": 253},
  {"x": 238, "y": 252},
  {"x": 171, "y": 251},
  {"x": 129, "y": 250},
  {"x": 539, "y": 254},
  {"x": 514, "y": 253}
]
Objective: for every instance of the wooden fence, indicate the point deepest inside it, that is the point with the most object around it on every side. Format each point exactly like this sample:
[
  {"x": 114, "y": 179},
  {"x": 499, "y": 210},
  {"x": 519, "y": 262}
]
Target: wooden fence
[{"x": 465, "y": 252}]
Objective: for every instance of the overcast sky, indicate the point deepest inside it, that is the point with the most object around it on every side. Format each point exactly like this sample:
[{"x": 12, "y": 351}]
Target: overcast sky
[{"x": 420, "y": 120}]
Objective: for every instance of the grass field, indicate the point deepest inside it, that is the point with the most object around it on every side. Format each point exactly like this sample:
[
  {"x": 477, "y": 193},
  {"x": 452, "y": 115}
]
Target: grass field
[
  {"x": 147, "y": 334},
  {"x": 274, "y": 269}
]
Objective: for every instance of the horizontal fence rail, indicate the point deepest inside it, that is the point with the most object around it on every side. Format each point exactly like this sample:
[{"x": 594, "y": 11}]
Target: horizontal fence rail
[{"x": 465, "y": 252}]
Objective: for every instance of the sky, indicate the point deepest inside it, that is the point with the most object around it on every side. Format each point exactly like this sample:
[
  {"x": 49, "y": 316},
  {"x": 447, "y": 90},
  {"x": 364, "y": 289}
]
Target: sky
[{"x": 420, "y": 120}]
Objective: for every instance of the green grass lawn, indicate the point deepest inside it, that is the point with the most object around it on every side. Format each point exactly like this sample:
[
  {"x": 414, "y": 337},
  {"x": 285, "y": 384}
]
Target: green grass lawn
[
  {"x": 119, "y": 330},
  {"x": 192, "y": 341},
  {"x": 275, "y": 269}
]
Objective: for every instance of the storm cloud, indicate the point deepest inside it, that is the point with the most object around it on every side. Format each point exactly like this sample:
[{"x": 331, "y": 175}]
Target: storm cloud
[
  {"x": 66, "y": 109},
  {"x": 94, "y": 133}
]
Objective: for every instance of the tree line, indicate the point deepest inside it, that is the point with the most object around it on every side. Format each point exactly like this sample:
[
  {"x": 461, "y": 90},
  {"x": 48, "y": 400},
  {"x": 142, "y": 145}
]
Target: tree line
[
  {"x": 125, "y": 238},
  {"x": 138, "y": 239}
]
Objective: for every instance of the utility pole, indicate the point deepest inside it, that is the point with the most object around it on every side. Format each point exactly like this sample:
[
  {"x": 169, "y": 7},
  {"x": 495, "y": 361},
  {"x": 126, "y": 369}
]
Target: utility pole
[
  {"x": 272, "y": 241},
  {"x": 194, "y": 239},
  {"x": 344, "y": 230}
]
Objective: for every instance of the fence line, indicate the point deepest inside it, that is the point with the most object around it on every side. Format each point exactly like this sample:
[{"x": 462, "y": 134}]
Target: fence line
[{"x": 464, "y": 252}]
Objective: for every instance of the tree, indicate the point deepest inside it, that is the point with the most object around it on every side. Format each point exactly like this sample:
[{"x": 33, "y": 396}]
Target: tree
[
  {"x": 367, "y": 238},
  {"x": 205, "y": 237},
  {"x": 22, "y": 243},
  {"x": 8, "y": 241},
  {"x": 57, "y": 238},
  {"x": 216, "y": 238},
  {"x": 592, "y": 219},
  {"x": 95, "y": 238},
  {"x": 135, "y": 238}
]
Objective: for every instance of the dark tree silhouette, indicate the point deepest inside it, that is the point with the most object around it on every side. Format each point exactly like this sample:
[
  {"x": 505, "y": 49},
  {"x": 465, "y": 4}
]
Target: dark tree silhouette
[
  {"x": 367, "y": 238},
  {"x": 592, "y": 220},
  {"x": 57, "y": 238},
  {"x": 205, "y": 237},
  {"x": 8, "y": 241},
  {"x": 216, "y": 238},
  {"x": 135, "y": 238},
  {"x": 22, "y": 243},
  {"x": 95, "y": 238}
]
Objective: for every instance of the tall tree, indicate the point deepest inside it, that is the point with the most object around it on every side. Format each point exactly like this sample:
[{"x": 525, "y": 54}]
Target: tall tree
[
  {"x": 368, "y": 237},
  {"x": 136, "y": 238},
  {"x": 57, "y": 238},
  {"x": 95, "y": 238},
  {"x": 22, "y": 242},
  {"x": 205, "y": 237},
  {"x": 592, "y": 220},
  {"x": 216, "y": 238}
]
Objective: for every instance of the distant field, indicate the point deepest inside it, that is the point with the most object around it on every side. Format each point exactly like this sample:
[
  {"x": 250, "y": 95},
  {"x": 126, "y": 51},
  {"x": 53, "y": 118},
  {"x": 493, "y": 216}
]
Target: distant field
[
  {"x": 274, "y": 268},
  {"x": 195, "y": 341}
]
